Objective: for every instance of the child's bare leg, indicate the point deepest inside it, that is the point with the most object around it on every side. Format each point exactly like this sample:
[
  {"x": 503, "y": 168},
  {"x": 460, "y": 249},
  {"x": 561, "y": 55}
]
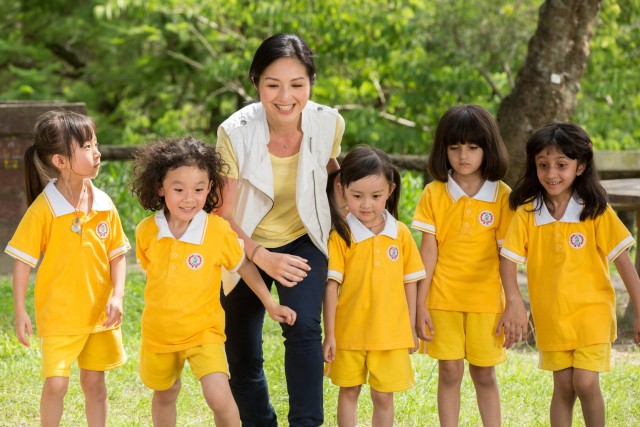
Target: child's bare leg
[
  {"x": 587, "y": 387},
  {"x": 382, "y": 409},
  {"x": 52, "y": 400},
  {"x": 564, "y": 397},
  {"x": 348, "y": 406},
  {"x": 163, "y": 406},
  {"x": 486, "y": 385},
  {"x": 217, "y": 393},
  {"x": 449, "y": 380},
  {"x": 95, "y": 397}
]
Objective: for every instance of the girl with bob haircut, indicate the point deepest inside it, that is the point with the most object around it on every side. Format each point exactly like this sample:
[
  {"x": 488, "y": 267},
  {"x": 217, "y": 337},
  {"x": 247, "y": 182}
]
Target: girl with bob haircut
[{"x": 463, "y": 216}]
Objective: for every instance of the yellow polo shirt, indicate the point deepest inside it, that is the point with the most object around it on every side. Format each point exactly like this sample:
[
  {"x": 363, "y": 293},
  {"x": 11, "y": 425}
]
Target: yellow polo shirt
[
  {"x": 469, "y": 232},
  {"x": 572, "y": 299},
  {"x": 182, "y": 294},
  {"x": 372, "y": 311},
  {"x": 73, "y": 283}
]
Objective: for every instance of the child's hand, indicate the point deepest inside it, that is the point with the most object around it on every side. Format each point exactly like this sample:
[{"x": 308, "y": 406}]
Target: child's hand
[
  {"x": 114, "y": 311},
  {"x": 424, "y": 325},
  {"x": 415, "y": 343},
  {"x": 515, "y": 324},
  {"x": 636, "y": 331},
  {"x": 23, "y": 328},
  {"x": 282, "y": 314},
  {"x": 329, "y": 348}
]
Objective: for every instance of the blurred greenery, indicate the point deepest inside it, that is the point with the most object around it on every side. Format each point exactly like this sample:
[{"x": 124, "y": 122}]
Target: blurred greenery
[{"x": 148, "y": 67}]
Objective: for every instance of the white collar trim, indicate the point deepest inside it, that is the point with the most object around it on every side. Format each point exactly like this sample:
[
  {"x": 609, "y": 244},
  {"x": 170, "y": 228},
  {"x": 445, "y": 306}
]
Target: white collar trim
[
  {"x": 194, "y": 233},
  {"x": 61, "y": 206},
  {"x": 488, "y": 192},
  {"x": 542, "y": 216},
  {"x": 360, "y": 233}
]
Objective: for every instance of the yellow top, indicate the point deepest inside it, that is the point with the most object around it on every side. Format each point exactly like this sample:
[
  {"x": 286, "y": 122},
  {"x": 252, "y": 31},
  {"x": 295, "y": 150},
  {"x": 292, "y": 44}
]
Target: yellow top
[
  {"x": 182, "y": 295},
  {"x": 73, "y": 283},
  {"x": 469, "y": 231},
  {"x": 572, "y": 299},
  {"x": 372, "y": 311}
]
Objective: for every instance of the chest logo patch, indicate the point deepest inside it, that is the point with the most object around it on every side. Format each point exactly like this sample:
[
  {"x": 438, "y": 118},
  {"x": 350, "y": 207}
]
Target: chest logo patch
[
  {"x": 393, "y": 253},
  {"x": 577, "y": 240},
  {"x": 486, "y": 218},
  {"x": 102, "y": 230},
  {"x": 195, "y": 261}
]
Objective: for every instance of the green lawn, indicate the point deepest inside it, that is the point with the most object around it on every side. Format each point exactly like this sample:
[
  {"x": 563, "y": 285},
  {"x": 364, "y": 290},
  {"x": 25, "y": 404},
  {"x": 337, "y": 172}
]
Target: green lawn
[{"x": 525, "y": 390}]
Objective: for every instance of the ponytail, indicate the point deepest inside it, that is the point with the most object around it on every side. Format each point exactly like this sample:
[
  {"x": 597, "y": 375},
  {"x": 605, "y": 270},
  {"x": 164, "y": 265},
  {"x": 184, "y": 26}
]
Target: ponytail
[
  {"x": 337, "y": 220},
  {"x": 33, "y": 174},
  {"x": 394, "y": 198}
]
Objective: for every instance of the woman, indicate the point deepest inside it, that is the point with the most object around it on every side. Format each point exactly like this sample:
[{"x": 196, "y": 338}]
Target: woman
[{"x": 280, "y": 151}]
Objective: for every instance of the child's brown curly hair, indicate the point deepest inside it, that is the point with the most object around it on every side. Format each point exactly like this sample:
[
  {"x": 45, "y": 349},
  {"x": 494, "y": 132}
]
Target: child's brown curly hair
[{"x": 154, "y": 160}]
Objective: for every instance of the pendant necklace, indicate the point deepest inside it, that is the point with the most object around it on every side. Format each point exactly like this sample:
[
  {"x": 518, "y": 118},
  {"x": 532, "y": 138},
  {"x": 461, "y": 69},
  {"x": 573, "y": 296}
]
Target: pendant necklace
[
  {"x": 76, "y": 225},
  {"x": 376, "y": 226}
]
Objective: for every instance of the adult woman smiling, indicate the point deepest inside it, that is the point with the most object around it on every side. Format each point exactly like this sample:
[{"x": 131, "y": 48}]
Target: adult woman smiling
[{"x": 280, "y": 151}]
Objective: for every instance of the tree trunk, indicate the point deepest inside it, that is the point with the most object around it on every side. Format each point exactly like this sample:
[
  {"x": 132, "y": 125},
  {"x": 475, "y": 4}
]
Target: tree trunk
[{"x": 548, "y": 82}]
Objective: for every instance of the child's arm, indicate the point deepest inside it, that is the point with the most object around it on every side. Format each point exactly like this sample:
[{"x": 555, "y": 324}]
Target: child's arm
[
  {"x": 429, "y": 254},
  {"x": 631, "y": 281},
  {"x": 24, "y": 329},
  {"x": 329, "y": 318},
  {"x": 411, "y": 293},
  {"x": 118, "y": 267},
  {"x": 252, "y": 278},
  {"x": 514, "y": 318}
]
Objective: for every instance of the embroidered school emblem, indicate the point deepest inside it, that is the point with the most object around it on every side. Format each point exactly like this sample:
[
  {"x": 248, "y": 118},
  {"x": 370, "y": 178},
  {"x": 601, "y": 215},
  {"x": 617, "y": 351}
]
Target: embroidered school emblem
[
  {"x": 486, "y": 218},
  {"x": 194, "y": 261},
  {"x": 393, "y": 253},
  {"x": 577, "y": 240},
  {"x": 102, "y": 230}
]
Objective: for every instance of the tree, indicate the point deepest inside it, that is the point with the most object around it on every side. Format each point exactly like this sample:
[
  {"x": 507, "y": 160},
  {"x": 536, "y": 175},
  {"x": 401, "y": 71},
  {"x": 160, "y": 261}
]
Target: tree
[{"x": 547, "y": 84}]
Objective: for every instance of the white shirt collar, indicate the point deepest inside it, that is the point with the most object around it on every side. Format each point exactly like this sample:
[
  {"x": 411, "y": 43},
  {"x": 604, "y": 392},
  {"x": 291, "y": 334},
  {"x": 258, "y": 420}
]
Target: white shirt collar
[
  {"x": 61, "y": 206},
  {"x": 488, "y": 192},
  {"x": 360, "y": 233},
  {"x": 194, "y": 233},
  {"x": 543, "y": 216}
]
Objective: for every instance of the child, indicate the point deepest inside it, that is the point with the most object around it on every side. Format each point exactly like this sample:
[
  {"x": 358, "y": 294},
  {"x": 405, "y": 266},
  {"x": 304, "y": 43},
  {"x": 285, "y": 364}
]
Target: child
[
  {"x": 567, "y": 234},
  {"x": 463, "y": 216},
  {"x": 369, "y": 306},
  {"x": 80, "y": 282},
  {"x": 182, "y": 249}
]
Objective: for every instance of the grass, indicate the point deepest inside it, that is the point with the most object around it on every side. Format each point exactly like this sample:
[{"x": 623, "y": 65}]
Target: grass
[{"x": 525, "y": 390}]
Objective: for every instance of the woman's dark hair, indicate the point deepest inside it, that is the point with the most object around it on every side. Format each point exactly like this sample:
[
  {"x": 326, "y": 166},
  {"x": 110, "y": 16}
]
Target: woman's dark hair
[
  {"x": 359, "y": 163},
  {"x": 282, "y": 46},
  {"x": 573, "y": 142},
  {"x": 468, "y": 124},
  {"x": 155, "y": 159},
  {"x": 55, "y": 132}
]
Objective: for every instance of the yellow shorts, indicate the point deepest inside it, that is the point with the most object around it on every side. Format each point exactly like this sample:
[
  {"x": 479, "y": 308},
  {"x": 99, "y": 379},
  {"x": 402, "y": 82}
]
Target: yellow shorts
[
  {"x": 388, "y": 370},
  {"x": 99, "y": 351},
  {"x": 596, "y": 357},
  {"x": 470, "y": 336},
  {"x": 159, "y": 371}
]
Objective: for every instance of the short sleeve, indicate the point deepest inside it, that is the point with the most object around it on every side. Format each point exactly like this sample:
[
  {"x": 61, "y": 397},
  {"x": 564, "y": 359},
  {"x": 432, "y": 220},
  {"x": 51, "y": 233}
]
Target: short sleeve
[
  {"x": 224, "y": 148},
  {"x": 413, "y": 268},
  {"x": 612, "y": 236},
  {"x": 505, "y": 217},
  {"x": 424, "y": 218},
  {"x": 337, "y": 138},
  {"x": 337, "y": 251},
  {"x": 142, "y": 245},
  {"x": 119, "y": 243},
  {"x": 516, "y": 240},
  {"x": 233, "y": 253},
  {"x": 30, "y": 239}
]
